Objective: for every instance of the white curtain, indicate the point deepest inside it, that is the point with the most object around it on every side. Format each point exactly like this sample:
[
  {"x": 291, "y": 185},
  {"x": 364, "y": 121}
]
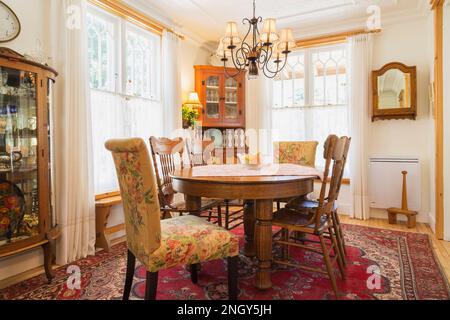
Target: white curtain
[
  {"x": 116, "y": 116},
  {"x": 74, "y": 193},
  {"x": 171, "y": 84},
  {"x": 259, "y": 102},
  {"x": 360, "y": 57}
]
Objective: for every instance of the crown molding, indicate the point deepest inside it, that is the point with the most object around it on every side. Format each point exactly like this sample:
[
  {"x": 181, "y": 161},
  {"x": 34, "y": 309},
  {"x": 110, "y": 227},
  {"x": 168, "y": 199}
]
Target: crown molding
[{"x": 157, "y": 14}]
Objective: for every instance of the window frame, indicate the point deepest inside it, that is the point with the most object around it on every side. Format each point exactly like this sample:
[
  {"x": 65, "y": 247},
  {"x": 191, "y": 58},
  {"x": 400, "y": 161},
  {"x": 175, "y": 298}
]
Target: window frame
[
  {"x": 121, "y": 25},
  {"x": 309, "y": 79}
]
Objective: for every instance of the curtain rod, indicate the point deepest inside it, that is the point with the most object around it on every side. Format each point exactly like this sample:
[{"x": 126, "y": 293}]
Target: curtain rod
[
  {"x": 117, "y": 7},
  {"x": 332, "y": 38}
]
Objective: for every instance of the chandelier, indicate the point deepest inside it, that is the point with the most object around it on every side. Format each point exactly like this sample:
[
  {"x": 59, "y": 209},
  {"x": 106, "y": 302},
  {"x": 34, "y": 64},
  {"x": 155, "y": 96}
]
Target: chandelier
[{"x": 266, "y": 51}]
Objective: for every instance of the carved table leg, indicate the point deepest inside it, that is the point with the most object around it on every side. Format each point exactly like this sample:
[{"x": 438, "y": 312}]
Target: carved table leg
[
  {"x": 48, "y": 261},
  {"x": 263, "y": 228},
  {"x": 193, "y": 204},
  {"x": 249, "y": 228}
]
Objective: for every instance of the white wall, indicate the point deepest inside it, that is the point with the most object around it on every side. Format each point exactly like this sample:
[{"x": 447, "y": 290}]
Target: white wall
[
  {"x": 34, "y": 20},
  {"x": 406, "y": 43}
]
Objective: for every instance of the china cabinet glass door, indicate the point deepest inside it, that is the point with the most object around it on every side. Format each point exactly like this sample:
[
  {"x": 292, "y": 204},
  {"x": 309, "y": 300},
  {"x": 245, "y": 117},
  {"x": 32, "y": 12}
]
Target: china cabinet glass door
[
  {"x": 19, "y": 205},
  {"x": 212, "y": 107},
  {"x": 231, "y": 100}
]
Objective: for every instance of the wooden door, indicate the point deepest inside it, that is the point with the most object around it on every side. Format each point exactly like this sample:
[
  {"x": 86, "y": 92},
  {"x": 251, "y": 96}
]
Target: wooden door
[{"x": 212, "y": 93}]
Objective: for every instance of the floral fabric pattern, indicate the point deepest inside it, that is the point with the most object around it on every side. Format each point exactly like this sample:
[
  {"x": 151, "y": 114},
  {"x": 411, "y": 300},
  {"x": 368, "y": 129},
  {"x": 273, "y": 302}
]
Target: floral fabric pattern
[
  {"x": 301, "y": 153},
  {"x": 190, "y": 240},
  {"x": 139, "y": 196}
]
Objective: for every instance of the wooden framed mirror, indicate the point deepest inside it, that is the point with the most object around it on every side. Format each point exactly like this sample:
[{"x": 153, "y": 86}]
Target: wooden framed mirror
[{"x": 394, "y": 92}]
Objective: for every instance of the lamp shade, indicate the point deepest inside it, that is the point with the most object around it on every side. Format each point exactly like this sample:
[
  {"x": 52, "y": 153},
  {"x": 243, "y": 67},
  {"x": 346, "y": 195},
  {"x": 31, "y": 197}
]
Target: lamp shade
[
  {"x": 231, "y": 35},
  {"x": 269, "y": 33},
  {"x": 287, "y": 41},
  {"x": 193, "y": 99},
  {"x": 222, "y": 51}
]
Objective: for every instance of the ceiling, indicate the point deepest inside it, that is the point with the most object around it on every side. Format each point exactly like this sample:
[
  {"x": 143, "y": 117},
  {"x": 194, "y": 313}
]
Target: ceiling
[{"x": 206, "y": 19}]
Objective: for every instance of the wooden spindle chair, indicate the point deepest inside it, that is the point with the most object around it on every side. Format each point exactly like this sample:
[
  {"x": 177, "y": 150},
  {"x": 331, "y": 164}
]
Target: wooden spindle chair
[
  {"x": 167, "y": 155},
  {"x": 316, "y": 221},
  {"x": 301, "y": 203},
  {"x": 233, "y": 218}
]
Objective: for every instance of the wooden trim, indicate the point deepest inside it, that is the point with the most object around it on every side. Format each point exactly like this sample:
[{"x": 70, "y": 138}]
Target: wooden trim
[
  {"x": 23, "y": 249},
  {"x": 115, "y": 229},
  {"x": 331, "y": 38},
  {"x": 118, "y": 8},
  {"x": 438, "y": 7},
  {"x": 107, "y": 195},
  {"x": 394, "y": 113}
]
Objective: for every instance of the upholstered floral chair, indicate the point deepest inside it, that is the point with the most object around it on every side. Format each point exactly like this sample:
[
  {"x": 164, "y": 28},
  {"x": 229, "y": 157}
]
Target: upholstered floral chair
[
  {"x": 158, "y": 245},
  {"x": 296, "y": 152}
]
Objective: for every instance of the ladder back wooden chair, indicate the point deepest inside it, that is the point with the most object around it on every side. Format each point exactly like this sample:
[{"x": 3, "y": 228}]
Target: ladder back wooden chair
[
  {"x": 300, "y": 204},
  {"x": 316, "y": 221},
  {"x": 233, "y": 218},
  {"x": 294, "y": 152},
  {"x": 163, "y": 244},
  {"x": 167, "y": 155}
]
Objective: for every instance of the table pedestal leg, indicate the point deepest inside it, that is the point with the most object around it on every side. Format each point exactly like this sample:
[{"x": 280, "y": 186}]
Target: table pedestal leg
[
  {"x": 249, "y": 228},
  {"x": 263, "y": 228},
  {"x": 193, "y": 204}
]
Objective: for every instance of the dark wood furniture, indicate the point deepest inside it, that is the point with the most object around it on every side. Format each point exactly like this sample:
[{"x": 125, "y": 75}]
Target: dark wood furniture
[
  {"x": 222, "y": 98},
  {"x": 394, "y": 92},
  {"x": 233, "y": 218},
  {"x": 26, "y": 102},
  {"x": 316, "y": 221},
  {"x": 167, "y": 156},
  {"x": 258, "y": 193},
  {"x": 300, "y": 204}
]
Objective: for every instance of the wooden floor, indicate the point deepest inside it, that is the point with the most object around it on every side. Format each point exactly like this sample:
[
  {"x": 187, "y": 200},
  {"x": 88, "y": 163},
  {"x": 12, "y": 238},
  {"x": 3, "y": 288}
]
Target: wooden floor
[{"x": 442, "y": 248}]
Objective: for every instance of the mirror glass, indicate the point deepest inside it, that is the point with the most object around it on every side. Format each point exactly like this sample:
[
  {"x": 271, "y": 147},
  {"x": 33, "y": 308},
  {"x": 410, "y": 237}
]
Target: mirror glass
[{"x": 394, "y": 90}]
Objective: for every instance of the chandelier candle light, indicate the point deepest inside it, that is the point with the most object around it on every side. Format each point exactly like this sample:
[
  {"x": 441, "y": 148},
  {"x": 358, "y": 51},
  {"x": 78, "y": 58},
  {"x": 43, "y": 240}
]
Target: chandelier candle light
[{"x": 266, "y": 51}]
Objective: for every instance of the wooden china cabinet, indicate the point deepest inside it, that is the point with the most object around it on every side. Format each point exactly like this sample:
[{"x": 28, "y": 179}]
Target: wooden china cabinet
[
  {"x": 222, "y": 98},
  {"x": 27, "y": 219}
]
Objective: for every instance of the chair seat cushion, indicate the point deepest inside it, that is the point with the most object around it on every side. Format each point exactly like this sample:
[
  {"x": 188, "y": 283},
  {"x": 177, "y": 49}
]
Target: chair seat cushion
[
  {"x": 286, "y": 218},
  {"x": 190, "y": 240}
]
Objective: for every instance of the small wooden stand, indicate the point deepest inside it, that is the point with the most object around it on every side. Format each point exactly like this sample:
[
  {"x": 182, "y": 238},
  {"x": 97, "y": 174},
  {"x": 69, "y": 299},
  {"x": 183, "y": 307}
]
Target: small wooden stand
[{"x": 411, "y": 215}]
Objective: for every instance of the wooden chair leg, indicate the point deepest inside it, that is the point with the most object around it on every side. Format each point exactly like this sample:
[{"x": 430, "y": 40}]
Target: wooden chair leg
[
  {"x": 285, "y": 237},
  {"x": 194, "y": 272},
  {"x": 341, "y": 235},
  {"x": 227, "y": 215},
  {"x": 233, "y": 277},
  {"x": 338, "y": 234},
  {"x": 337, "y": 252},
  {"x": 219, "y": 216},
  {"x": 48, "y": 261},
  {"x": 330, "y": 270},
  {"x": 131, "y": 264},
  {"x": 151, "y": 285},
  {"x": 278, "y": 205}
]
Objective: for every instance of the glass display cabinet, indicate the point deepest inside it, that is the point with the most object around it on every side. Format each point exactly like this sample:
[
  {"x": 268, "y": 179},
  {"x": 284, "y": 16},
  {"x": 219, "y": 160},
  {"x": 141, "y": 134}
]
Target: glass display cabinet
[
  {"x": 222, "y": 97},
  {"x": 27, "y": 220}
]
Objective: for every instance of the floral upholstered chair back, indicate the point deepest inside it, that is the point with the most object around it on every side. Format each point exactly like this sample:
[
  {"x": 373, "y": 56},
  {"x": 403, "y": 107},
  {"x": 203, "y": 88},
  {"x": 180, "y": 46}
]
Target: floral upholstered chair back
[
  {"x": 139, "y": 195},
  {"x": 296, "y": 152}
]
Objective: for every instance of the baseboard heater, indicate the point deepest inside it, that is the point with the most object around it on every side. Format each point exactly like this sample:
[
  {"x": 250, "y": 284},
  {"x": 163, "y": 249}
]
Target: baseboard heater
[{"x": 385, "y": 182}]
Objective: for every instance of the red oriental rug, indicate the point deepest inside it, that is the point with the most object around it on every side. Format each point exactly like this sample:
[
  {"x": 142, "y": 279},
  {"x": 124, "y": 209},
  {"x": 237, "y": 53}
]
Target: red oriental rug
[{"x": 382, "y": 264}]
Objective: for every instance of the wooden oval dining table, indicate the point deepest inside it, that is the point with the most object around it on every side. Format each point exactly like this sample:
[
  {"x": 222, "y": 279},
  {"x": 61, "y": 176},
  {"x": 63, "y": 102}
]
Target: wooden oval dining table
[{"x": 258, "y": 193}]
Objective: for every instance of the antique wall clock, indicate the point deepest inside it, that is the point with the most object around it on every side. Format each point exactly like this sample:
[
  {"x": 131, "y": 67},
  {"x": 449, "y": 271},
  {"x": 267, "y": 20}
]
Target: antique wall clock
[{"x": 9, "y": 24}]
